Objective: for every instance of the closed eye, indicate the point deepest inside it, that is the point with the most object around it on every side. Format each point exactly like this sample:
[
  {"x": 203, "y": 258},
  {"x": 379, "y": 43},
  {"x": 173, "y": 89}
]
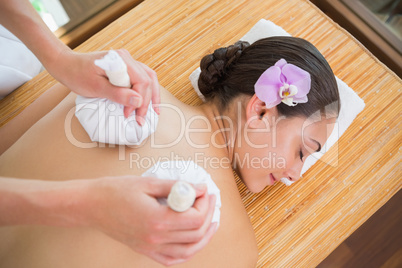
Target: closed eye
[
  {"x": 301, "y": 155},
  {"x": 318, "y": 145}
]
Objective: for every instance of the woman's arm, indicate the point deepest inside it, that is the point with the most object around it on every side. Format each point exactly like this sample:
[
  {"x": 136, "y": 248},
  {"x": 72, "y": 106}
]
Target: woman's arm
[{"x": 14, "y": 129}]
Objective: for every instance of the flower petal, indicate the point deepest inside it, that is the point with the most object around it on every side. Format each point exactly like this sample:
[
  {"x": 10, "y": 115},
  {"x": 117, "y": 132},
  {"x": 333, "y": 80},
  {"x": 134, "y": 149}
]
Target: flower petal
[
  {"x": 303, "y": 99},
  {"x": 303, "y": 87},
  {"x": 292, "y": 90},
  {"x": 288, "y": 101},
  {"x": 280, "y": 63},
  {"x": 297, "y": 77},
  {"x": 272, "y": 104},
  {"x": 267, "y": 86}
]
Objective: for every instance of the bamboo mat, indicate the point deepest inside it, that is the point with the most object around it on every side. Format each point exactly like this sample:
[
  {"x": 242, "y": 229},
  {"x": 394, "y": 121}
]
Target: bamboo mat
[{"x": 295, "y": 226}]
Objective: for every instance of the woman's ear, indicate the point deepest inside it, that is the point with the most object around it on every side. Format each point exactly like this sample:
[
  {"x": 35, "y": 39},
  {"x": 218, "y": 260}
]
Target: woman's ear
[{"x": 257, "y": 114}]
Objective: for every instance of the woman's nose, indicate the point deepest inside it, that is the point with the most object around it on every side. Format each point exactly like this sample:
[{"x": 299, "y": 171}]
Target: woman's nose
[{"x": 294, "y": 171}]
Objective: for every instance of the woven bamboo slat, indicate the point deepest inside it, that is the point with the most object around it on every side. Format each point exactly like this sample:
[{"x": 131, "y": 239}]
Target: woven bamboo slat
[{"x": 295, "y": 226}]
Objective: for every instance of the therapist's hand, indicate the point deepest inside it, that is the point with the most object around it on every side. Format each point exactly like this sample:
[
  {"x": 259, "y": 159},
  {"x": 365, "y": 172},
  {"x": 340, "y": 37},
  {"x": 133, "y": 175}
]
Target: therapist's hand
[
  {"x": 78, "y": 72},
  {"x": 75, "y": 70},
  {"x": 126, "y": 209}
]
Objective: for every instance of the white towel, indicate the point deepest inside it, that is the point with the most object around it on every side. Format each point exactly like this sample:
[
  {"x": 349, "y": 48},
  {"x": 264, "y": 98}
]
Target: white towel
[
  {"x": 17, "y": 63},
  {"x": 104, "y": 119},
  {"x": 351, "y": 103},
  {"x": 190, "y": 172}
]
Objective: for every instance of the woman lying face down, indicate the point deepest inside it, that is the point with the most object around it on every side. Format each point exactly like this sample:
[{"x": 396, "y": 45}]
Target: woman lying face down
[{"x": 269, "y": 105}]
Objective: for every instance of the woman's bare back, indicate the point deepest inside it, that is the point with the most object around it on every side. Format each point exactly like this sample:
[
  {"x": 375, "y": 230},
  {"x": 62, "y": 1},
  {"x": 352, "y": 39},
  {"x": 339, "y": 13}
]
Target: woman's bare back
[{"x": 51, "y": 151}]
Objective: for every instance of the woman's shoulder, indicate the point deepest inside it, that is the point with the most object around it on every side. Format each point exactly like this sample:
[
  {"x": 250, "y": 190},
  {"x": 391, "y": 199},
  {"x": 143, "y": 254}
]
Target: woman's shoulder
[{"x": 235, "y": 227}]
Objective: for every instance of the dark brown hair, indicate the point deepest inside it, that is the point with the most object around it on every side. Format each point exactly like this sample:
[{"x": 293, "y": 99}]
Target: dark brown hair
[{"x": 232, "y": 71}]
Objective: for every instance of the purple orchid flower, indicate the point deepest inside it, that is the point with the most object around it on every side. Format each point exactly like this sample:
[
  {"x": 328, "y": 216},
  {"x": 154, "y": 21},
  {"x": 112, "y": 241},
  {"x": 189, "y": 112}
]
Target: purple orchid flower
[{"x": 283, "y": 82}]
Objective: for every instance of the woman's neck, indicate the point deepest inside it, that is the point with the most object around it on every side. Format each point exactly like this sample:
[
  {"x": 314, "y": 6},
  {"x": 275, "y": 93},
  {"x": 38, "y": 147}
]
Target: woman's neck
[{"x": 226, "y": 125}]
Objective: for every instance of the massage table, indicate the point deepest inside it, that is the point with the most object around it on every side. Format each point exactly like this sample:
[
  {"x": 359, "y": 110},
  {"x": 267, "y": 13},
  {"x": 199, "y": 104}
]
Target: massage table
[{"x": 300, "y": 225}]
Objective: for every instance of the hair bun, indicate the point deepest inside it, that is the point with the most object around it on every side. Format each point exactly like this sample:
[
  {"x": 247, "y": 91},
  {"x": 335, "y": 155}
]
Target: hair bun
[{"x": 214, "y": 67}]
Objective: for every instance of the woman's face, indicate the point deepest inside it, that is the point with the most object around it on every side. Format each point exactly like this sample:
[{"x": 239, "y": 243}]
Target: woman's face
[{"x": 278, "y": 149}]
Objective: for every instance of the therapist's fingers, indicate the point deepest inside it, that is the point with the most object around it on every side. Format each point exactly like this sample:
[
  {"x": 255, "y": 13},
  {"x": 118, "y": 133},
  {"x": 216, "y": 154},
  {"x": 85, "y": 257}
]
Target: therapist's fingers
[
  {"x": 146, "y": 89},
  {"x": 192, "y": 219},
  {"x": 122, "y": 95},
  {"x": 104, "y": 89},
  {"x": 139, "y": 80},
  {"x": 195, "y": 235},
  {"x": 156, "y": 99},
  {"x": 144, "y": 81}
]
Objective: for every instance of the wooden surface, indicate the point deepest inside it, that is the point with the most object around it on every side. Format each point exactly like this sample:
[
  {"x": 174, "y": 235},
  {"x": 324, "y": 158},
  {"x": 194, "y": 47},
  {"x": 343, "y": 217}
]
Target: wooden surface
[
  {"x": 368, "y": 29},
  {"x": 295, "y": 226},
  {"x": 80, "y": 10},
  {"x": 89, "y": 24},
  {"x": 377, "y": 243}
]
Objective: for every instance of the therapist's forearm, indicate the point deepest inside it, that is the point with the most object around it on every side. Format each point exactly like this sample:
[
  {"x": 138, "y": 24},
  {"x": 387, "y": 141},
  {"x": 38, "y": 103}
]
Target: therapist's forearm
[
  {"x": 19, "y": 17},
  {"x": 36, "y": 202}
]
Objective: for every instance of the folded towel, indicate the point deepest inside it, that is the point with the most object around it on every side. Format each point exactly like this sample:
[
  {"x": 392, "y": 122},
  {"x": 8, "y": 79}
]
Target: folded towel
[
  {"x": 104, "y": 119},
  {"x": 351, "y": 103},
  {"x": 186, "y": 171},
  {"x": 17, "y": 63}
]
